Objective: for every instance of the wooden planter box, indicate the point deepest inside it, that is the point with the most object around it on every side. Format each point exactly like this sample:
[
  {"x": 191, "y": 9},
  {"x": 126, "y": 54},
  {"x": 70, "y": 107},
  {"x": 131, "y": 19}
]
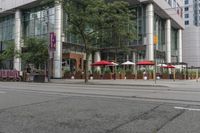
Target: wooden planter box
[
  {"x": 150, "y": 75},
  {"x": 122, "y": 76},
  {"x": 78, "y": 75},
  {"x": 179, "y": 76},
  {"x": 117, "y": 75},
  {"x": 107, "y": 76},
  {"x": 39, "y": 78},
  {"x": 139, "y": 76},
  {"x": 165, "y": 76},
  {"x": 96, "y": 76},
  {"x": 130, "y": 76},
  {"x": 67, "y": 76}
]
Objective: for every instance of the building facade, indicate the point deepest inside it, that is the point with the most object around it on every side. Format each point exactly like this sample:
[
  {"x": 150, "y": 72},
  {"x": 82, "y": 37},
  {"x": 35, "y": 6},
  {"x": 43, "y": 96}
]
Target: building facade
[
  {"x": 159, "y": 30},
  {"x": 191, "y": 40}
]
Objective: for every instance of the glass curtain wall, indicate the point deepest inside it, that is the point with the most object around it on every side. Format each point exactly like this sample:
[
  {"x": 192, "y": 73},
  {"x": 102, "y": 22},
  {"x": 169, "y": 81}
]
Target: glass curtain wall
[
  {"x": 7, "y": 28},
  {"x": 70, "y": 38},
  {"x": 159, "y": 31},
  {"x": 7, "y": 34},
  {"x": 39, "y": 21},
  {"x": 140, "y": 21},
  {"x": 174, "y": 45}
]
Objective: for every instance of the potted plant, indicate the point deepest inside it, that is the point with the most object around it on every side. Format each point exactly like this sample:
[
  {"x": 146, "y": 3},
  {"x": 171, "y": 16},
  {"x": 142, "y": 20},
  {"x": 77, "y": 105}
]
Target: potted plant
[
  {"x": 165, "y": 74},
  {"x": 96, "y": 74},
  {"x": 35, "y": 52},
  {"x": 118, "y": 73},
  {"x": 67, "y": 73},
  {"x": 150, "y": 74},
  {"x": 78, "y": 75},
  {"x": 107, "y": 73},
  {"x": 129, "y": 74},
  {"x": 139, "y": 74}
]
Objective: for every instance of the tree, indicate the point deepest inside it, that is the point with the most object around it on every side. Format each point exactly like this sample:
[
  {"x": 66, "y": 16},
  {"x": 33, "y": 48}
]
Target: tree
[
  {"x": 92, "y": 20},
  {"x": 35, "y": 51},
  {"x": 9, "y": 52}
]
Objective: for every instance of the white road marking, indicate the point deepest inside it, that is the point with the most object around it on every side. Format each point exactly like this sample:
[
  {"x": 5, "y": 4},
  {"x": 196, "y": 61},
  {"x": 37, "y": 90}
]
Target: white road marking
[
  {"x": 2, "y": 92},
  {"x": 190, "y": 109}
]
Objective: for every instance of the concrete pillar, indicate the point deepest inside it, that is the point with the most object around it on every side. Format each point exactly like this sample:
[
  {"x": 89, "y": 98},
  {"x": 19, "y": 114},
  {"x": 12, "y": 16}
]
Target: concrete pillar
[
  {"x": 134, "y": 57},
  {"x": 149, "y": 32},
  {"x": 89, "y": 63},
  {"x": 168, "y": 40},
  {"x": 58, "y": 52},
  {"x": 18, "y": 34},
  {"x": 127, "y": 57},
  {"x": 156, "y": 33},
  {"x": 180, "y": 56},
  {"x": 97, "y": 57},
  {"x": 134, "y": 60}
]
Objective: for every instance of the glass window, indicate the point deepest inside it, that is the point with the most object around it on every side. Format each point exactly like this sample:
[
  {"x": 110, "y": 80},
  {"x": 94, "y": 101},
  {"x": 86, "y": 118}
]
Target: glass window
[
  {"x": 186, "y": 2},
  {"x": 186, "y": 15},
  {"x": 39, "y": 21},
  {"x": 7, "y": 28},
  {"x": 187, "y": 22},
  {"x": 186, "y": 9}
]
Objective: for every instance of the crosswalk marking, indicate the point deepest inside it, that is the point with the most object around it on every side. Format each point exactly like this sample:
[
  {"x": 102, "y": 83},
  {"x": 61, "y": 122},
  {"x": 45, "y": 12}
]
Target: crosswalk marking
[{"x": 190, "y": 109}]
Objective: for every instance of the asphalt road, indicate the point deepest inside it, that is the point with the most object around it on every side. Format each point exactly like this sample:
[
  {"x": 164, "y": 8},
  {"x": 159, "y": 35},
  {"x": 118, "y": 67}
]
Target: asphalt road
[{"x": 75, "y": 108}]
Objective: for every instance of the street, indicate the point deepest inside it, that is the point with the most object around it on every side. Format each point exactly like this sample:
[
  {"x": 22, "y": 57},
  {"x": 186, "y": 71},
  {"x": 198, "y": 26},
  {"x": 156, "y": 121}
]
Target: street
[{"x": 79, "y": 108}]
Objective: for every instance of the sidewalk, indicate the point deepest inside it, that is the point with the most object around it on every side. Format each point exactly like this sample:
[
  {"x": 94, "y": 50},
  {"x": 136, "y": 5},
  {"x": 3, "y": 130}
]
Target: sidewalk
[{"x": 158, "y": 83}]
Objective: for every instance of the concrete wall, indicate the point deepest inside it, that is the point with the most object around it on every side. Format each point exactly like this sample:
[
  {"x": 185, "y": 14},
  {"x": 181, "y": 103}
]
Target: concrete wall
[
  {"x": 191, "y": 46},
  {"x": 171, "y": 12},
  {"x": 10, "y": 4}
]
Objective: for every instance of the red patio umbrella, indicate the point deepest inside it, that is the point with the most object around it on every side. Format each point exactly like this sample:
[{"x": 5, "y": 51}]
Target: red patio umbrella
[
  {"x": 168, "y": 66},
  {"x": 146, "y": 62},
  {"x": 102, "y": 63}
]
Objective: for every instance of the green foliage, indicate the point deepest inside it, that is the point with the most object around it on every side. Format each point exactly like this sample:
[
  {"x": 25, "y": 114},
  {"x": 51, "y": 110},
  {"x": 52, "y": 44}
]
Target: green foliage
[
  {"x": 97, "y": 71},
  {"x": 128, "y": 71},
  {"x": 165, "y": 71},
  {"x": 106, "y": 70},
  {"x": 9, "y": 51},
  {"x": 96, "y": 22},
  {"x": 67, "y": 70},
  {"x": 139, "y": 72},
  {"x": 119, "y": 70},
  {"x": 35, "y": 51}
]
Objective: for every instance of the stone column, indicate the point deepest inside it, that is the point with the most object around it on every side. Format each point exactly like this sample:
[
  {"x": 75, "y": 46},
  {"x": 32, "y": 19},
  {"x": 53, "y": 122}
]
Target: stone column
[
  {"x": 18, "y": 34},
  {"x": 180, "y": 55},
  {"x": 58, "y": 30},
  {"x": 89, "y": 63},
  {"x": 97, "y": 57},
  {"x": 149, "y": 32},
  {"x": 168, "y": 40},
  {"x": 134, "y": 60},
  {"x": 134, "y": 57}
]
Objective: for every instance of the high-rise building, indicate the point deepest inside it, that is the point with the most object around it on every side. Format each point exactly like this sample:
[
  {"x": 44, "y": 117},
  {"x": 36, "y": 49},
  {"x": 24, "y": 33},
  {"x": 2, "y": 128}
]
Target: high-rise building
[
  {"x": 161, "y": 19},
  {"x": 191, "y": 39}
]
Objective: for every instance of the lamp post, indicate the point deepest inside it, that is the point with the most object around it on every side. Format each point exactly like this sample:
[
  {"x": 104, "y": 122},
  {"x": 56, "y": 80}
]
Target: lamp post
[
  {"x": 51, "y": 46},
  {"x": 155, "y": 41}
]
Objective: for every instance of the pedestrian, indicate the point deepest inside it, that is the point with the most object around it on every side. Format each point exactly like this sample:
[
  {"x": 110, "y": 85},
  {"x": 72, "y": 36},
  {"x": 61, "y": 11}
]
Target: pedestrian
[{"x": 28, "y": 73}]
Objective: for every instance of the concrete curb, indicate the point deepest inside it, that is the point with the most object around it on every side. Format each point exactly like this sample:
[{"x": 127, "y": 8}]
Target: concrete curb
[{"x": 111, "y": 84}]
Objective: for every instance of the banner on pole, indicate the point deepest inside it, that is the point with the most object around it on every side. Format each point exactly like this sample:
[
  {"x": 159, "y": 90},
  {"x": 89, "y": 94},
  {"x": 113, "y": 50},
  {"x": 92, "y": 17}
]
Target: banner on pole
[{"x": 52, "y": 41}]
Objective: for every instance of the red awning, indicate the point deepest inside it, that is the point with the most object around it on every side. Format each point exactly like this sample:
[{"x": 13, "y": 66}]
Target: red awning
[
  {"x": 101, "y": 63},
  {"x": 145, "y": 62}
]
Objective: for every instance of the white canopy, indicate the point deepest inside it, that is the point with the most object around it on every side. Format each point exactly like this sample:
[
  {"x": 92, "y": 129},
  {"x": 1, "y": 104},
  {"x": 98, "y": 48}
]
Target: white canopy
[
  {"x": 113, "y": 64},
  {"x": 163, "y": 65},
  {"x": 128, "y": 63}
]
